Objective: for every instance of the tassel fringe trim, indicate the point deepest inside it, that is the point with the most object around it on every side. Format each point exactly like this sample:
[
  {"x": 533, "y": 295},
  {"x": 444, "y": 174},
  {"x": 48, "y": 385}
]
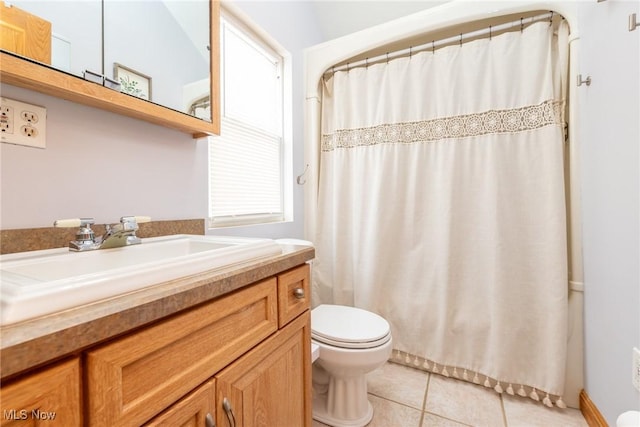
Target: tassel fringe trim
[{"x": 533, "y": 393}]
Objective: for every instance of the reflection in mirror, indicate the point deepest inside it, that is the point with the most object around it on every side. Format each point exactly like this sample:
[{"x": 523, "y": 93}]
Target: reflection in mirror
[
  {"x": 73, "y": 41},
  {"x": 159, "y": 51}
]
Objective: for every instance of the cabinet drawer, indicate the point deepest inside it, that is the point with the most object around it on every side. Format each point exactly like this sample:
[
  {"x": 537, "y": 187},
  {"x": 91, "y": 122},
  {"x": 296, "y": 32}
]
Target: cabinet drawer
[
  {"x": 50, "y": 397},
  {"x": 134, "y": 378},
  {"x": 294, "y": 295}
]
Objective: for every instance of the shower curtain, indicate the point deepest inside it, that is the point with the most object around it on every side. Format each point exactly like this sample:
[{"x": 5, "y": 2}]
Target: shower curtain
[{"x": 441, "y": 207}]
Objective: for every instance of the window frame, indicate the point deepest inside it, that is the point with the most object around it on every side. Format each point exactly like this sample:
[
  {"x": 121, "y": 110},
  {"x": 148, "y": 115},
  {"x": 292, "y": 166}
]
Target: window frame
[{"x": 243, "y": 24}]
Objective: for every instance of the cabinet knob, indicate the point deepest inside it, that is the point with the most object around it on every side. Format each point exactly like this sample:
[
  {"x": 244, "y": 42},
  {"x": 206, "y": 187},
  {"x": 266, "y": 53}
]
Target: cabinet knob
[
  {"x": 208, "y": 421},
  {"x": 298, "y": 293}
]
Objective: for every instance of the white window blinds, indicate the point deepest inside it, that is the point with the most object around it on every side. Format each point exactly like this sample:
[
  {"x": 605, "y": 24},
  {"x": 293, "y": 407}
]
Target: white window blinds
[{"x": 245, "y": 161}]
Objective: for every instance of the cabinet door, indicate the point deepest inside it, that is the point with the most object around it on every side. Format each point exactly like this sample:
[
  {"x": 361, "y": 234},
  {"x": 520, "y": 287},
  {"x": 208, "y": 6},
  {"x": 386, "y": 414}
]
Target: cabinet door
[
  {"x": 271, "y": 385},
  {"x": 50, "y": 397},
  {"x": 195, "y": 410}
]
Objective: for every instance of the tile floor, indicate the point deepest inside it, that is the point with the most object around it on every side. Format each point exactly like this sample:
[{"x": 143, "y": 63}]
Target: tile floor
[{"x": 407, "y": 397}]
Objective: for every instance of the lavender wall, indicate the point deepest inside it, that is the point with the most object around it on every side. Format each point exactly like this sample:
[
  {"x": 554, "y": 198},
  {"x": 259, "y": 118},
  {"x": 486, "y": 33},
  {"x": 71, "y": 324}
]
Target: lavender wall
[
  {"x": 609, "y": 136},
  {"x": 103, "y": 165}
]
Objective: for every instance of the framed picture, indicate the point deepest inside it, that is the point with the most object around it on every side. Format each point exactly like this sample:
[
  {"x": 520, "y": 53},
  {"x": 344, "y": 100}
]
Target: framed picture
[{"x": 132, "y": 82}]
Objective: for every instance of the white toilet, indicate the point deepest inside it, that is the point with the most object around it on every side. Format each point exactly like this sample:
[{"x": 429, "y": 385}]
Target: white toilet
[{"x": 352, "y": 343}]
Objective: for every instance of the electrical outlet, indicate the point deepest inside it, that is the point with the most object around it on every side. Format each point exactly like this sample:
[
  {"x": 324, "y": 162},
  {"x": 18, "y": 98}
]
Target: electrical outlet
[
  {"x": 22, "y": 123},
  {"x": 636, "y": 369},
  {"x": 29, "y": 131},
  {"x": 6, "y": 119},
  {"x": 29, "y": 116}
]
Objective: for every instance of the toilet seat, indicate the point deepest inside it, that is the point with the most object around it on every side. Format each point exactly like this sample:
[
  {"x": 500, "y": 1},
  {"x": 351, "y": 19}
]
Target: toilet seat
[{"x": 348, "y": 327}]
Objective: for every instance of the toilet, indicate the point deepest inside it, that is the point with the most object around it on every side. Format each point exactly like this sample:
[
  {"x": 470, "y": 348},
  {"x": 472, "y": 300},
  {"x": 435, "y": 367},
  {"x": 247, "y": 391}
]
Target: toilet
[
  {"x": 352, "y": 342},
  {"x": 347, "y": 343}
]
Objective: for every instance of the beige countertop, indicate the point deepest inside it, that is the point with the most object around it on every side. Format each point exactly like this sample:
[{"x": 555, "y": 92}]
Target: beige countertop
[{"x": 38, "y": 341}]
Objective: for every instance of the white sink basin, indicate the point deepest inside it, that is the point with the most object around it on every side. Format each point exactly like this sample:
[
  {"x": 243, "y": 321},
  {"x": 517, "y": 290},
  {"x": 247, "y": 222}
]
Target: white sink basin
[{"x": 36, "y": 283}]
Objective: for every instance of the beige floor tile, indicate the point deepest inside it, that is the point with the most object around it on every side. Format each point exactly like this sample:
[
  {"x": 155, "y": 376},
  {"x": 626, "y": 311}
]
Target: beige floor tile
[
  {"x": 391, "y": 414},
  {"x": 398, "y": 383},
  {"x": 464, "y": 402},
  {"x": 527, "y": 413},
  {"x": 431, "y": 420},
  {"x": 396, "y": 393}
]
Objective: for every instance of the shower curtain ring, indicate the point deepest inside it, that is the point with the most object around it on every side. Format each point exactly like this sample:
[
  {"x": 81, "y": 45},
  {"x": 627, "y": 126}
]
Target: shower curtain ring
[
  {"x": 551, "y": 18},
  {"x": 433, "y": 47},
  {"x": 460, "y": 39},
  {"x": 387, "y": 57},
  {"x": 521, "y": 24},
  {"x": 490, "y": 32},
  {"x": 410, "y": 47}
]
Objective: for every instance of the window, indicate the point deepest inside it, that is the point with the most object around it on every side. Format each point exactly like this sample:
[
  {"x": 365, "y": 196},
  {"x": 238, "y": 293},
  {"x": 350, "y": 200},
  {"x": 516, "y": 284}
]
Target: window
[{"x": 246, "y": 162}]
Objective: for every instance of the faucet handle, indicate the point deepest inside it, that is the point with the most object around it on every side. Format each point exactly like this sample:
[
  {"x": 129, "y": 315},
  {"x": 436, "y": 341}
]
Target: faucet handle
[
  {"x": 73, "y": 222},
  {"x": 137, "y": 219},
  {"x": 131, "y": 222},
  {"x": 85, "y": 237}
]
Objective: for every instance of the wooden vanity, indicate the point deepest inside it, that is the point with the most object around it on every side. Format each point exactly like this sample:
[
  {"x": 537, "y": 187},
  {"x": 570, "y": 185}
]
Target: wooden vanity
[{"x": 230, "y": 347}]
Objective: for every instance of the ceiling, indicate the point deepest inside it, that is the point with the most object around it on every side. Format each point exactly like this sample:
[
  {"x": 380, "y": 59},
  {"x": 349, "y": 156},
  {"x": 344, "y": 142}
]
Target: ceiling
[{"x": 338, "y": 18}]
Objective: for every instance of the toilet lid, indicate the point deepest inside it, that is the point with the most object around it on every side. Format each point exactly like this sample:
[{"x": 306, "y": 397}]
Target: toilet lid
[{"x": 348, "y": 327}]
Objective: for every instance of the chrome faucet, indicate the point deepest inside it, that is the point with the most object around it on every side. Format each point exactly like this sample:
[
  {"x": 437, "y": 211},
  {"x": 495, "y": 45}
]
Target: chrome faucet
[{"x": 116, "y": 235}]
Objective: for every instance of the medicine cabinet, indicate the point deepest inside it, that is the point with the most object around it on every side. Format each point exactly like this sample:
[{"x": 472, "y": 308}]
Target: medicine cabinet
[{"x": 155, "y": 61}]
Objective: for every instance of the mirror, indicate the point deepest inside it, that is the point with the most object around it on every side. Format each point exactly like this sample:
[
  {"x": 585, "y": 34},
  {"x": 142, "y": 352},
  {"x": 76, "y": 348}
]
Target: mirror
[
  {"x": 157, "y": 50},
  {"x": 75, "y": 44}
]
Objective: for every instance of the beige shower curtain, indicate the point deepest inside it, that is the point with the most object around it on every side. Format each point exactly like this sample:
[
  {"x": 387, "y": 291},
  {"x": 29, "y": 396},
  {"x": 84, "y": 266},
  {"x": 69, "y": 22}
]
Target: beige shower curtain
[{"x": 441, "y": 207}]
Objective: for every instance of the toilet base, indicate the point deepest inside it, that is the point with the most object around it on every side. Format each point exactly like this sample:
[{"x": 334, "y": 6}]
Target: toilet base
[
  {"x": 321, "y": 414},
  {"x": 340, "y": 401}
]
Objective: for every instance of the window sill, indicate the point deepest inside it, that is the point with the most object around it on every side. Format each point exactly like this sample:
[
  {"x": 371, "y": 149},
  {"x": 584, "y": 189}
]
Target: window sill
[{"x": 245, "y": 221}]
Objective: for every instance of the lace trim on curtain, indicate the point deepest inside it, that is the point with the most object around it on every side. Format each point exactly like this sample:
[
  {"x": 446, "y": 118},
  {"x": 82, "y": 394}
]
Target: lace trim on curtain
[
  {"x": 468, "y": 375},
  {"x": 487, "y": 122}
]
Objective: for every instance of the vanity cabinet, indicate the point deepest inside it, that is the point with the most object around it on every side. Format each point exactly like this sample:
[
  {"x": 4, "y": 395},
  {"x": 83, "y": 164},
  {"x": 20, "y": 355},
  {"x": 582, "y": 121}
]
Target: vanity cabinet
[
  {"x": 47, "y": 397},
  {"x": 167, "y": 372},
  {"x": 230, "y": 361}
]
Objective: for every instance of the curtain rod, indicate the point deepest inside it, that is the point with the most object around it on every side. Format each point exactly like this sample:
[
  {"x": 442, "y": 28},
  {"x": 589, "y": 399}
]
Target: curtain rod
[{"x": 431, "y": 46}]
